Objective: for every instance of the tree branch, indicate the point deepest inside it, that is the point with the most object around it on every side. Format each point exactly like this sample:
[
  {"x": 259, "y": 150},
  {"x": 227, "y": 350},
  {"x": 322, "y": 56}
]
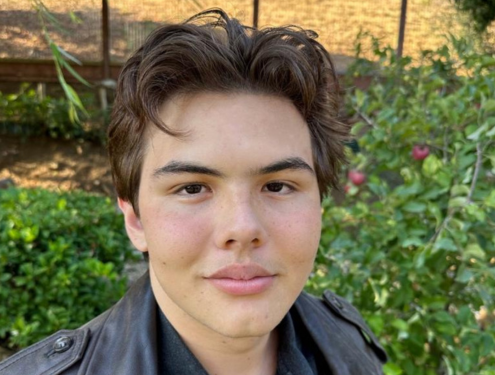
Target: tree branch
[
  {"x": 366, "y": 119},
  {"x": 479, "y": 160},
  {"x": 441, "y": 227}
]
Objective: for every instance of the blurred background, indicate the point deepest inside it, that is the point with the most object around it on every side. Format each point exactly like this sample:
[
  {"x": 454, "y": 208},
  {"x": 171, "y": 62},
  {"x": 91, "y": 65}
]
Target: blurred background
[{"x": 338, "y": 23}]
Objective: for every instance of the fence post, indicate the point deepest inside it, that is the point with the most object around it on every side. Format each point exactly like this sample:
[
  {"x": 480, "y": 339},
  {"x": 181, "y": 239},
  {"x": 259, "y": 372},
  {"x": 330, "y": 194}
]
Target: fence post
[
  {"x": 105, "y": 33},
  {"x": 256, "y": 8},
  {"x": 402, "y": 28}
]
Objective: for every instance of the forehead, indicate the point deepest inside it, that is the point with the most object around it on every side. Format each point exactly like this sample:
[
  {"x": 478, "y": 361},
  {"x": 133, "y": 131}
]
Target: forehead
[{"x": 238, "y": 125}]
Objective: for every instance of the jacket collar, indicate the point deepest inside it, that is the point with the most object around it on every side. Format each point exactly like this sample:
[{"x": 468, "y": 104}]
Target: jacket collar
[
  {"x": 339, "y": 340},
  {"x": 128, "y": 336}
]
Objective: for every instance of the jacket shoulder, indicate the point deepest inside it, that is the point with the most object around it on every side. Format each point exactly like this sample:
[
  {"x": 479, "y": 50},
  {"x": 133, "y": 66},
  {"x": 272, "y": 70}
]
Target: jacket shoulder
[
  {"x": 53, "y": 355},
  {"x": 87, "y": 350},
  {"x": 341, "y": 333},
  {"x": 57, "y": 354},
  {"x": 346, "y": 311}
]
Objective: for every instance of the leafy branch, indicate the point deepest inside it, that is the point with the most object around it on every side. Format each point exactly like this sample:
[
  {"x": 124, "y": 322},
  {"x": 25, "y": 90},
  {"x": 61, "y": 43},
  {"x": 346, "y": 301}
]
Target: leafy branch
[{"x": 61, "y": 59}]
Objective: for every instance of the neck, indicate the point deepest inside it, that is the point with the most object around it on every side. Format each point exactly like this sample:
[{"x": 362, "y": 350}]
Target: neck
[
  {"x": 219, "y": 354},
  {"x": 226, "y": 356}
]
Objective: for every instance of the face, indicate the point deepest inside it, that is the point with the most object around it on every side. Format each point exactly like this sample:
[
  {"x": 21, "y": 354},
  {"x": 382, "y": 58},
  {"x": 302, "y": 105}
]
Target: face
[{"x": 229, "y": 214}]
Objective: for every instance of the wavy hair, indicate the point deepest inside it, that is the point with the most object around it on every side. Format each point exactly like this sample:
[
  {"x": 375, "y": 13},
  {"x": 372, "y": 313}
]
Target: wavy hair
[{"x": 211, "y": 52}]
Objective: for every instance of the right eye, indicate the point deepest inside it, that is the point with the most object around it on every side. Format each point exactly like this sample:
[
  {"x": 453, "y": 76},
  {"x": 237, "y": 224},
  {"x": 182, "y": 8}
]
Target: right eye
[{"x": 191, "y": 189}]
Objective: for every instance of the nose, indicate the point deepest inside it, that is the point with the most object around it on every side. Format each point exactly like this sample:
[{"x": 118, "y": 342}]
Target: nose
[{"x": 240, "y": 224}]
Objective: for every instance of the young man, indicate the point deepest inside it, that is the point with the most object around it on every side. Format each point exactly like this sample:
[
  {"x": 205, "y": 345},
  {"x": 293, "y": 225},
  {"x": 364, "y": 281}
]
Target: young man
[{"x": 223, "y": 141}]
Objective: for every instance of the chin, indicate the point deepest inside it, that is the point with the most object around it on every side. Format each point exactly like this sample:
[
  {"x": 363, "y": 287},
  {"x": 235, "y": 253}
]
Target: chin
[
  {"x": 238, "y": 330},
  {"x": 245, "y": 324}
]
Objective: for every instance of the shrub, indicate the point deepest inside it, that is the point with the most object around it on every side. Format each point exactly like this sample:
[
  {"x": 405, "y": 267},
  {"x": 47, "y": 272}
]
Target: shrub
[
  {"x": 26, "y": 114},
  {"x": 414, "y": 247},
  {"x": 61, "y": 261}
]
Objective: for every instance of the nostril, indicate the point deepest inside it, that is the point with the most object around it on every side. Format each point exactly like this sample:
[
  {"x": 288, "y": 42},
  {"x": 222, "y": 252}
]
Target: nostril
[{"x": 232, "y": 242}]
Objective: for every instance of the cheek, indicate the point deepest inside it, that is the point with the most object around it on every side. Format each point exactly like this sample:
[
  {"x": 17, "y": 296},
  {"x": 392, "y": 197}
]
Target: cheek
[
  {"x": 302, "y": 234},
  {"x": 173, "y": 235}
]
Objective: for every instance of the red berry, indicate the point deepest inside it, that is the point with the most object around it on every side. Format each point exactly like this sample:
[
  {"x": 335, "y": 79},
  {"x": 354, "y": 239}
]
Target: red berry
[
  {"x": 356, "y": 177},
  {"x": 420, "y": 152}
]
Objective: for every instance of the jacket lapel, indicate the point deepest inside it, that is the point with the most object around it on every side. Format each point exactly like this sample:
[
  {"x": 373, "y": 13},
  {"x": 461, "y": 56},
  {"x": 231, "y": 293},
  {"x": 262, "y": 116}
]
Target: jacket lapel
[
  {"x": 127, "y": 338},
  {"x": 340, "y": 342}
]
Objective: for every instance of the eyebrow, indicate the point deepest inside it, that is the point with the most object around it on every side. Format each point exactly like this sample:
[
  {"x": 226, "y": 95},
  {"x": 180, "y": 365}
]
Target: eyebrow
[
  {"x": 178, "y": 167},
  {"x": 295, "y": 163}
]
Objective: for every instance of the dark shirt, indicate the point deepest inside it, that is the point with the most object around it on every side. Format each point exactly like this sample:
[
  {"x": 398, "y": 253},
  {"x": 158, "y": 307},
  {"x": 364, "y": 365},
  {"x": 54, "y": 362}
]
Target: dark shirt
[{"x": 297, "y": 353}]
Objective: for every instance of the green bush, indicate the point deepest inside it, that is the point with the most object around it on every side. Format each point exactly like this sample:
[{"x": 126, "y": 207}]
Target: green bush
[
  {"x": 61, "y": 261},
  {"x": 26, "y": 114},
  {"x": 414, "y": 247}
]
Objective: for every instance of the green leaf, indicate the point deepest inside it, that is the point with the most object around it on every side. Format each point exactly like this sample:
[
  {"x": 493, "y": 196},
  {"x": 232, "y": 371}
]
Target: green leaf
[
  {"x": 475, "y": 136},
  {"x": 29, "y": 234},
  {"x": 433, "y": 193},
  {"x": 459, "y": 190},
  {"x": 75, "y": 74},
  {"x": 476, "y": 211},
  {"x": 448, "y": 365},
  {"x": 376, "y": 323},
  {"x": 67, "y": 55},
  {"x": 414, "y": 241},
  {"x": 490, "y": 133},
  {"x": 414, "y": 207},
  {"x": 400, "y": 324},
  {"x": 74, "y": 97},
  {"x": 490, "y": 199},
  {"x": 431, "y": 165},
  {"x": 55, "y": 52},
  {"x": 458, "y": 202},
  {"x": 487, "y": 344},
  {"x": 392, "y": 369},
  {"x": 360, "y": 98},
  {"x": 44, "y": 12},
  {"x": 74, "y": 18},
  {"x": 62, "y": 204},
  {"x": 409, "y": 190},
  {"x": 488, "y": 105},
  {"x": 4, "y": 277},
  {"x": 465, "y": 315},
  {"x": 464, "y": 275},
  {"x": 473, "y": 250},
  {"x": 445, "y": 244}
]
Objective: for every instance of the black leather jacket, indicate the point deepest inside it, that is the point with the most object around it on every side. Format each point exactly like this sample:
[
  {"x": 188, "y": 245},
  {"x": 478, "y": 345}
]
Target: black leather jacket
[{"x": 122, "y": 340}]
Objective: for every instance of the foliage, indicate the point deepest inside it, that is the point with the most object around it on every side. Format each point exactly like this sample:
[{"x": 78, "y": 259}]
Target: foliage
[
  {"x": 61, "y": 59},
  {"x": 61, "y": 261},
  {"x": 25, "y": 113},
  {"x": 414, "y": 248},
  {"x": 482, "y": 12}
]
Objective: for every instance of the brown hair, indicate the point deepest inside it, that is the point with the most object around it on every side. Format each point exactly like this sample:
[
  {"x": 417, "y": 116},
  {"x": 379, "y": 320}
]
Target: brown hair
[{"x": 213, "y": 52}]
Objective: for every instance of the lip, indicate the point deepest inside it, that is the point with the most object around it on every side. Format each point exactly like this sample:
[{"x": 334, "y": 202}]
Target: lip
[{"x": 242, "y": 279}]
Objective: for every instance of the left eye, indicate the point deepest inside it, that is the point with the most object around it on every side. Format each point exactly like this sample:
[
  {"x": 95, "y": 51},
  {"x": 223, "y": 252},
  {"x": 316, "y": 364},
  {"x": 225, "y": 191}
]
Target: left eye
[
  {"x": 278, "y": 187},
  {"x": 191, "y": 190}
]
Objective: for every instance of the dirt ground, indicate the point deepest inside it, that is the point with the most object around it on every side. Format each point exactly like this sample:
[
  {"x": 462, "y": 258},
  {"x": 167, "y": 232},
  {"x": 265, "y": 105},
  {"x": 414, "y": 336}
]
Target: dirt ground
[{"x": 55, "y": 164}]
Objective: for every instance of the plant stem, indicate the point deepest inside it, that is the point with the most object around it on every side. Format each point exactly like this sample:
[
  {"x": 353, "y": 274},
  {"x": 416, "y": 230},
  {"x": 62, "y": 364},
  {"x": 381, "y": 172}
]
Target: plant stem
[
  {"x": 366, "y": 119},
  {"x": 479, "y": 159}
]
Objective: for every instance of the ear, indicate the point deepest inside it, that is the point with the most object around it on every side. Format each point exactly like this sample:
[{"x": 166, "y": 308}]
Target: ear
[{"x": 133, "y": 226}]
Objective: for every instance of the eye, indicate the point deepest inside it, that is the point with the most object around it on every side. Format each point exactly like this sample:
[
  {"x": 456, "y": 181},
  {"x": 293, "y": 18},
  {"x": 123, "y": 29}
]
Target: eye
[
  {"x": 279, "y": 187},
  {"x": 191, "y": 189}
]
